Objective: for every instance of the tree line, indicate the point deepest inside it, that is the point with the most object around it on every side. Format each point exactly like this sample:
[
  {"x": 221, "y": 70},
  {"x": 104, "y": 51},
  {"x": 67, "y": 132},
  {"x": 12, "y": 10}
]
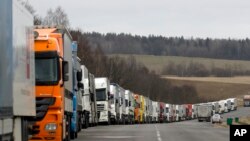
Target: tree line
[
  {"x": 196, "y": 69},
  {"x": 113, "y": 43}
]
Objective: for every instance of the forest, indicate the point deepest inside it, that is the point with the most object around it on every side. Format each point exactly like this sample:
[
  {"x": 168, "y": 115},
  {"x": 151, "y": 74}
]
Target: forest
[{"x": 112, "y": 43}]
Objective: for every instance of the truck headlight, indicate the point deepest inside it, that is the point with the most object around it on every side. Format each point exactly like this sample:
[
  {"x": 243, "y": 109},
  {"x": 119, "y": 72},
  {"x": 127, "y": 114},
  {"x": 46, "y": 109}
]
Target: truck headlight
[{"x": 50, "y": 127}]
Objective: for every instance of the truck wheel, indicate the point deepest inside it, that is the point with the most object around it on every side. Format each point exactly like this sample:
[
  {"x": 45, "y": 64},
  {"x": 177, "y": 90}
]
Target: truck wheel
[
  {"x": 72, "y": 135},
  {"x": 68, "y": 125}
]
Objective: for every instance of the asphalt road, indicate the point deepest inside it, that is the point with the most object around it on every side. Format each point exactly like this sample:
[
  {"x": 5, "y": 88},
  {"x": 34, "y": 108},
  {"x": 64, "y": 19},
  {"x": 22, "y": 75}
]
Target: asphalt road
[{"x": 180, "y": 131}]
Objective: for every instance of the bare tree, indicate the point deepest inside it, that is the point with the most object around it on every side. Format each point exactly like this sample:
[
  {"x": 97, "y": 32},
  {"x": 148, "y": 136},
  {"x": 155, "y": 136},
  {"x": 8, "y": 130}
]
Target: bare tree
[{"x": 56, "y": 17}]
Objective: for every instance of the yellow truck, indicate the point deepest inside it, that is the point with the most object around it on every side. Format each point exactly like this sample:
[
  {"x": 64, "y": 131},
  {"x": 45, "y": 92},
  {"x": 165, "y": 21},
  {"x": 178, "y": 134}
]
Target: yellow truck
[{"x": 142, "y": 109}]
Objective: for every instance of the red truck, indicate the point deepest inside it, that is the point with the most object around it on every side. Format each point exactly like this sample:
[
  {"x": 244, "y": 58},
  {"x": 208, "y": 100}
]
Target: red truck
[
  {"x": 189, "y": 111},
  {"x": 162, "y": 112}
]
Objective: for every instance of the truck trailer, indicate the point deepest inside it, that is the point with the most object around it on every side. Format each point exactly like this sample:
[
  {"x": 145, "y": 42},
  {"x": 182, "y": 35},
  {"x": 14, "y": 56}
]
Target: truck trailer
[
  {"x": 93, "y": 114},
  {"x": 86, "y": 99},
  {"x": 205, "y": 112},
  {"x": 17, "y": 79}
]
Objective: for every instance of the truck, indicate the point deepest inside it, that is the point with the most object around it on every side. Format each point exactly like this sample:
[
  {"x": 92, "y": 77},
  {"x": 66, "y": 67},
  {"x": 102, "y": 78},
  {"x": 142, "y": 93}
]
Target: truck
[
  {"x": 78, "y": 116},
  {"x": 93, "y": 118},
  {"x": 150, "y": 110},
  {"x": 205, "y": 112},
  {"x": 189, "y": 111},
  {"x": 216, "y": 107},
  {"x": 54, "y": 83},
  {"x": 155, "y": 111},
  {"x": 194, "y": 111},
  {"x": 162, "y": 114},
  {"x": 86, "y": 98},
  {"x": 221, "y": 107},
  {"x": 234, "y": 104},
  {"x": 146, "y": 113},
  {"x": 122, "y": 107},
  {"x": 177, "y": 113},
  {"x": 246, "y": 100},
  {"x": 168, "y": 112},
  {"x": 17, "y": 72},
  {"x": 137, "y": 108},
  {"x": 142, "y": 109},
  {"x": 115, "y": 111},
  {"x": 129, "y": 102},
  {"x": 103, "y": 100}
]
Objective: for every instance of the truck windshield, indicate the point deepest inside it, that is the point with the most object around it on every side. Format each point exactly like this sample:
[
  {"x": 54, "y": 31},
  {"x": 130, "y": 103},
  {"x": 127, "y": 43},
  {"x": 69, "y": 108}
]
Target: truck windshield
[
  {"x": 47, "y": 71},
  {"x": 101, "y": 95},
  {"x": 167, "y": 110}
]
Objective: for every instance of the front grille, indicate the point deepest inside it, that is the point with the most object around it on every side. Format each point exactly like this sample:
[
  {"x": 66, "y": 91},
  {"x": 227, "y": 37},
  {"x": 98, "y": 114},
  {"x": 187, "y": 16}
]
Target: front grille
[
  {"x": 42, "y": 105},
  {"x": 100, "y": 107}
]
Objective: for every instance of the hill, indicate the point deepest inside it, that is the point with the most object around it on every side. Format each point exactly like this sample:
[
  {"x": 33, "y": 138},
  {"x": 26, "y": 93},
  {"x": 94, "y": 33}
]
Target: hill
[
  {"x": 157, "y": 63},
  {"x": 214, "y": 88}
]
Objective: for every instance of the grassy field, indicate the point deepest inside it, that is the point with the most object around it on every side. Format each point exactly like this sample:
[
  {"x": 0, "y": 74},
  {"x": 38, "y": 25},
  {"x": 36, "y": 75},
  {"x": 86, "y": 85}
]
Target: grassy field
[
  {"x": 157, "y": 63},
  {"x": 214, "y": 88}
]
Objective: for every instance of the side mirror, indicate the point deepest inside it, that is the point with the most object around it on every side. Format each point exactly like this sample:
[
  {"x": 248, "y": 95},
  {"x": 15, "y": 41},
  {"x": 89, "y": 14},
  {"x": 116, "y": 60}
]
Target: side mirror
[
  {"x": 79, "y": 75},
  {"x": 80, "y": 86},
  {"x": 65, "y": 70}
]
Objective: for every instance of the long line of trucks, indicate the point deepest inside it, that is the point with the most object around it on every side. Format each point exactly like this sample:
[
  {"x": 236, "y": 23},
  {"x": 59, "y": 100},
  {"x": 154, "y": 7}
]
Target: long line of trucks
[{"x": 46, "y": 93}]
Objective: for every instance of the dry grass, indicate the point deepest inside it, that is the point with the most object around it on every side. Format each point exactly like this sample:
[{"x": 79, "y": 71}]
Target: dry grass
[
  {"x": 215, "y": 88},
  {"x": 157, "y": 63},
  {"x": 234, "y": 80},
  {"x": 242, "y": 121}
]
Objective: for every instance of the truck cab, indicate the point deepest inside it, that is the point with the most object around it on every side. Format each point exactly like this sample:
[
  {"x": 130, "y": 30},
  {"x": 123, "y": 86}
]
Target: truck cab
[
  {"x": 129, "y": 100},
  {"x": 115, "y": 111},
  {"x": 233, "y": 104},
  {"x": 122, "y": 106},
  {"x": 137, "y": 109},
  {"x": 168, "y": 112},
  {"x": 103, "y": 99},
  {"x": 155, "y": 111},
  {"x": 86, "y": 98},
  {"x": 221, "y": 107}
]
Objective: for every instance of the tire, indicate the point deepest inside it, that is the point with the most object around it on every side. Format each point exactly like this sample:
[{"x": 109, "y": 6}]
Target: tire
[
  {"x": 68, "y": 124},
  {"x": 72, "y": 135}
]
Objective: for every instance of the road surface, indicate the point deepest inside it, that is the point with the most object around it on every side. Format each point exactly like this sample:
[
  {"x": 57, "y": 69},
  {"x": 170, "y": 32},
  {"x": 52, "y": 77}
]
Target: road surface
[{"x": 180, "y": 131}]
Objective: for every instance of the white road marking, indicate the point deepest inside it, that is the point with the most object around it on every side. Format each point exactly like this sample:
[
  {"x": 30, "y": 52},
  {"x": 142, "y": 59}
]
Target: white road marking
[
  {"x": 115, "y": 137},
  {"x": 158, "y": 134}
]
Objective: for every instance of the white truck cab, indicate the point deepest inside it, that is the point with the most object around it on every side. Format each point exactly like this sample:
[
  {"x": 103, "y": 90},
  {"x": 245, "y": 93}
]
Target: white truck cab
[
  {"x": 233, "y": 103},
  {"x": 102, "y": 85},
  {"x": 221, "y": 107},
  {"x": 115, "y": 111},
  {"x": 168, "y": 112},
  {"x": 129, "y": 100},
  {"x": 122, "y": 105},
  {"x": 155, "y": 111}
]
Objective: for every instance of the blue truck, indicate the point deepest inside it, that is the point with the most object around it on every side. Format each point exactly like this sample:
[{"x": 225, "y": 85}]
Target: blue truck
[{"x": 78, "y": 115}]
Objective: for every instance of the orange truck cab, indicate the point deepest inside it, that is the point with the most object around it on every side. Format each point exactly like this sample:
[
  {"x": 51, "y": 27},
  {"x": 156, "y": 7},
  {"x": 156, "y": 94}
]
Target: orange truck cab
[
  {"x": 53, "y": 84},
  {"x": 137, "y": 106}
]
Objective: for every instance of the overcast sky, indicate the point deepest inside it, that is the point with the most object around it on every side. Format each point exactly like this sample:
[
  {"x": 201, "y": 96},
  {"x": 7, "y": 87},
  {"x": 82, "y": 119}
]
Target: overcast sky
[{"x": 188, "y": 18}]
